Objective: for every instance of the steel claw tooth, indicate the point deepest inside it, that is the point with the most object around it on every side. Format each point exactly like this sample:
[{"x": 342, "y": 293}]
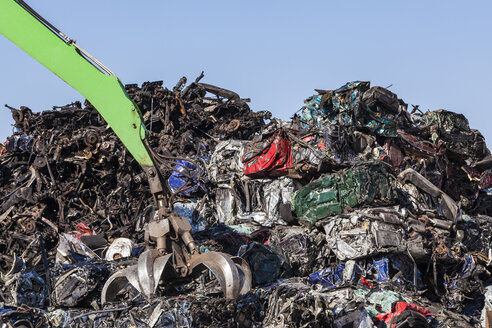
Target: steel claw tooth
[
  {"x": 233, "y": 278},
  {"x": 245, "y": 272},
  {"x": 144, "y": 276}
]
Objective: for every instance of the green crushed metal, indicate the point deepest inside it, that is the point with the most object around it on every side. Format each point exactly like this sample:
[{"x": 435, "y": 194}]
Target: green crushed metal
[{"x": 330, "y": 194}]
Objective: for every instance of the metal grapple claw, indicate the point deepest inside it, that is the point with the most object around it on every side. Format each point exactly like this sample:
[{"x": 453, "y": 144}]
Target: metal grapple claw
[{"x": 232, "y": 273}]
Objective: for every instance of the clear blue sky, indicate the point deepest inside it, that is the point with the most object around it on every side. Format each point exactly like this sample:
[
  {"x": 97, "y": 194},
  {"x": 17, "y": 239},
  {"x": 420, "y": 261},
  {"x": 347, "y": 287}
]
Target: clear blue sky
[{"x": 437, "y": 54}]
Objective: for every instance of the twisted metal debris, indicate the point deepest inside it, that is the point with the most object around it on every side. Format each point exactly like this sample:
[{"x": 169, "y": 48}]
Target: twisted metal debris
[{"x": 355, "y": 213}]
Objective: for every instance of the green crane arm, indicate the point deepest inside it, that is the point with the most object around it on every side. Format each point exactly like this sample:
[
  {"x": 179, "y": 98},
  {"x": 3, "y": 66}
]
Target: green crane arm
[
  {"x": 64, "y": 58},
  {"x": 23, "y": 26}
]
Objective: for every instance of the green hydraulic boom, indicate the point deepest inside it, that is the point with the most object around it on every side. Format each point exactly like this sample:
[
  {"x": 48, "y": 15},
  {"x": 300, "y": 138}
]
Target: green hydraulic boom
[{"x": 62, "y": 56}]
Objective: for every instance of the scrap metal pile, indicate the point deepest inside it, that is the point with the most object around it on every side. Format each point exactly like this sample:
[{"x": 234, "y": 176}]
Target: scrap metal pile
[{"x": 355, "y": 213}]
